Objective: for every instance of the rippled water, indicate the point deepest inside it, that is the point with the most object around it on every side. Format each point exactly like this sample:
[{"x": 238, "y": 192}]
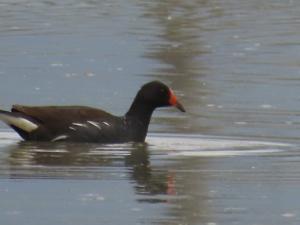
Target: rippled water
[
  {"x": 173, "y": 179},
  {"x": 233, "y": 158}
]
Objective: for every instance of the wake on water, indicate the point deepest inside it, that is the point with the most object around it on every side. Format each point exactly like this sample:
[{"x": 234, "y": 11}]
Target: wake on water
[{"x": 189, "y": 145}]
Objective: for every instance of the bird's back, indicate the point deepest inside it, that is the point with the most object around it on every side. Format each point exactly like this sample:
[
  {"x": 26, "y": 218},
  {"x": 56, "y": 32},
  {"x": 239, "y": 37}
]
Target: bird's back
[{"x": 71, "y": 123}]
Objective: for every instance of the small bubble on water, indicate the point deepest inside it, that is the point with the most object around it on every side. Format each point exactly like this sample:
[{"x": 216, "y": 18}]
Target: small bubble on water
[
  {"x": 210, "y": 105},
  {"x": 240, "y": 123},
  {"x": 68, "y": 75},
  {"x": 288, "y": 215},
  {"x": 207, "y": 46},
  {"x": 13, "y": 213},
  {"x": 57, "y": 64},
  {"x": 175, "y": 45},
  {"x": 266, "y": 106},
  {"x": 92, "y": 197},
  {"x": 15, "y": 28},
  {"x": 249, "y": 49},
  {"x": 238, "y": 54},
  {"x": 91, "y": 60},
  {"x": 136, "y": 209},
  {"x": 89, "y": 74},
  {"x": 47, "y": 24}
]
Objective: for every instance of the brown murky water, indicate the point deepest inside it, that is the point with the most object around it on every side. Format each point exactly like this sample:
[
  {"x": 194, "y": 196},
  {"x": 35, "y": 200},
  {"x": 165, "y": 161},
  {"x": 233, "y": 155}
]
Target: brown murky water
[{"x": 233, "y": 158}]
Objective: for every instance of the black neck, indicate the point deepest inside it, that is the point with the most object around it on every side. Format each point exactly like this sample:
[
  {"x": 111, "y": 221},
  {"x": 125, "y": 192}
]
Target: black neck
[{"x": 139, "y": 115}]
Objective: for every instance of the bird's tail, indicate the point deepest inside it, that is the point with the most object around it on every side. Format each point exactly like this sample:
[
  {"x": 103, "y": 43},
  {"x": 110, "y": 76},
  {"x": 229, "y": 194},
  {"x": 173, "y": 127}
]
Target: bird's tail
[{"x": 16, "y": 120}]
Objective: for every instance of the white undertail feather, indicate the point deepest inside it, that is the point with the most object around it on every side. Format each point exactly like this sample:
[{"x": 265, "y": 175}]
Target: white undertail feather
[{"x": 19, "y": 122}]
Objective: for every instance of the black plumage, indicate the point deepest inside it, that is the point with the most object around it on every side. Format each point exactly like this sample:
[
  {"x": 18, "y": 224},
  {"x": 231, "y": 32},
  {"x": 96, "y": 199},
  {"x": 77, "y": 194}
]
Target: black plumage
[{"x": 87, "y": 124}]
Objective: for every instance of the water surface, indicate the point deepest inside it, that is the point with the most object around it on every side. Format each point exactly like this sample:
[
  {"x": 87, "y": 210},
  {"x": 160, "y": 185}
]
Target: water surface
[{"x": 233, "y": 158}]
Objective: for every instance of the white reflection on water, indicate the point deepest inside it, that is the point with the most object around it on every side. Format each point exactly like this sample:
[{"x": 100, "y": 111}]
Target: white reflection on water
[
  {"x": 174, "y": 145},
  {"x": 201, "y": 177},
  {"x": 206, "y": 146}
]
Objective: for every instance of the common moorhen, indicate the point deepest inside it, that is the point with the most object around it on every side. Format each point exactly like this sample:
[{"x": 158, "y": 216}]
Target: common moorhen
[{"x": 87, "y": 124}]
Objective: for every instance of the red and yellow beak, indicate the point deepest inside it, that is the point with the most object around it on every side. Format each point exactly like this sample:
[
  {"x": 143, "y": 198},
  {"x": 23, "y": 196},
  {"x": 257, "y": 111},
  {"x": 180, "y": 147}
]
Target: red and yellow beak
[{"x": 174, "y": 102}]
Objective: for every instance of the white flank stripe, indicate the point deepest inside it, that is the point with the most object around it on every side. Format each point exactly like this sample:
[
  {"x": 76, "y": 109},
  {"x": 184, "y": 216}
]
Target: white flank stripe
[
  {"x": 60, "y": 137},
  {"x": 106, "y": 123},
  {"x": 79, "y": 124},
  {"x": 72, "y": 128},
  {"x": 21, "y": 123},
  {"x": 94, "y": 124}
]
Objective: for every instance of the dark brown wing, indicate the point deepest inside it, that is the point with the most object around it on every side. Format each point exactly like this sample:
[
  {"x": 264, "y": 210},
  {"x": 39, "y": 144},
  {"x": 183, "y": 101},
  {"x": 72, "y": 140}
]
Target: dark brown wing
[
  {"x": 75, "y": 123},
  {"x": 54, "y": 115}
]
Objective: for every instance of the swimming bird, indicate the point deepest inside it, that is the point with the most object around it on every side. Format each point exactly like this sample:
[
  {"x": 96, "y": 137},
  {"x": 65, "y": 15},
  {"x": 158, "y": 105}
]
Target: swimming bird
[{"x": 88, "y": 124}]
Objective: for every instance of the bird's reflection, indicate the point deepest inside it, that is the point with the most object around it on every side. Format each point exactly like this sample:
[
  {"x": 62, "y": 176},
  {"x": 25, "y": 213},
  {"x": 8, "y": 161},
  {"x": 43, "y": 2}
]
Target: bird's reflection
[
  {"x": 88, "y": 161},
  {"x": 148, "y": 182},
  {"x": 55, "y": 154}
]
